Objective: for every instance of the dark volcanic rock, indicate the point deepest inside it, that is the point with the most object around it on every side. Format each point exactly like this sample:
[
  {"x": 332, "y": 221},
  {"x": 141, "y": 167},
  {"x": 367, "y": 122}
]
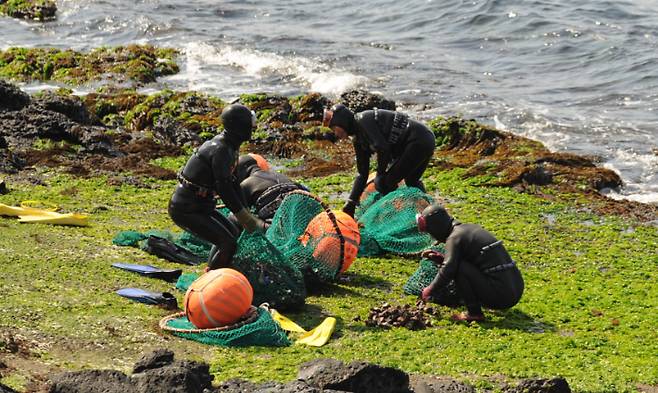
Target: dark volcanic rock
[
  {"x": 536, "y": 385},
  {"x": 11, "y": 97},
  {"x": 70, "y": 106},
  {"x": 236, "y": 386},
  {"x": 292, "y": 387},
  {"x": 432, "y": 384},
  {"x": 32, "y": 122},
  {"x": 169, "y": 379},
  {"x": 6, "y": 389},
  {"x": 361, "y": 100},
  {"x": 91, "y": 381},
  {"x": 156, "y": 359},
  {"x": 170, "y": 130},
  {"x": 10, "y": 162},
  {"x": 354, "y": 377}
]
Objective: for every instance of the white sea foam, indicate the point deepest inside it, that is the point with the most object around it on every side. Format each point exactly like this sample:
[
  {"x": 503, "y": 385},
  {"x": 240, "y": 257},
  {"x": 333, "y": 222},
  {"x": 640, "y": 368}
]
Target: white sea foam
[{"x": 306, "y": 73}]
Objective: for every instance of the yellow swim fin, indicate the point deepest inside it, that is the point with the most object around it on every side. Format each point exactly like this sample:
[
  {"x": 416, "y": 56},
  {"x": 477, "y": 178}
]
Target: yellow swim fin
[
  {"x": 285, "y": 323},
  {"x": 47, "y": 217},
  {"x": 15, "y": 211},
  {"x": 320, "y": 335}
]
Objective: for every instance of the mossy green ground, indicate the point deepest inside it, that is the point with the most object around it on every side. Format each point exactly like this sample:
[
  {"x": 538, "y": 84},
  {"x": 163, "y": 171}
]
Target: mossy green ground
[{"x": 588, "y": 313}]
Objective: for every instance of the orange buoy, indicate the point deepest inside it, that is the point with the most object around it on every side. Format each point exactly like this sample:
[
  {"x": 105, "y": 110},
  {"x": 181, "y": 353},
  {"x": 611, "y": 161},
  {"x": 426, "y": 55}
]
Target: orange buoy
[
  {"x": 260, "y": 161},
  {"x": 321, "y": 234},
  {"x": 370, "y": 186},
  {"x": 218, "y": 298}
]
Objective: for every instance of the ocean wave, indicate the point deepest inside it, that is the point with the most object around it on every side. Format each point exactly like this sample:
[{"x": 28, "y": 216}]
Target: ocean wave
[{"x": 307, "y": 73}]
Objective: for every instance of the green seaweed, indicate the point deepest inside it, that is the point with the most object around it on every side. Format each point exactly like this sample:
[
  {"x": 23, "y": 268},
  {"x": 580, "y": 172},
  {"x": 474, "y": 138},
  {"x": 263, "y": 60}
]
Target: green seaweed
[
  {"x": 587, "y": 313},
  {"x": 137, "y": 63}
]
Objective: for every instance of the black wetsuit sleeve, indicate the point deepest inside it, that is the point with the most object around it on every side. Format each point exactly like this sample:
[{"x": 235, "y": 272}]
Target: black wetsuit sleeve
[
  {"x": 362, "y": 167},
  {"x": 225, "y": 186},
  {"x": 450, "y": 266},
  {"x": 374, "y": 134}
]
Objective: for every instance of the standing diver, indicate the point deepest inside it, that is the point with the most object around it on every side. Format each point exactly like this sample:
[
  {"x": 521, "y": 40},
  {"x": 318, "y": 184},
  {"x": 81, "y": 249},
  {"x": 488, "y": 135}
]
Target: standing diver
[
  {"x": 407, "y": 145},
  {"x": 484, "y": 273},
  {"x": 210, "y": 172},
  {"x": 262, "y": 188}
]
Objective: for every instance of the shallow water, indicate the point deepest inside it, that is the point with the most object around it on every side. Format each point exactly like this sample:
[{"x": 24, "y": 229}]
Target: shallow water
[{"x": 579, "y": 76}]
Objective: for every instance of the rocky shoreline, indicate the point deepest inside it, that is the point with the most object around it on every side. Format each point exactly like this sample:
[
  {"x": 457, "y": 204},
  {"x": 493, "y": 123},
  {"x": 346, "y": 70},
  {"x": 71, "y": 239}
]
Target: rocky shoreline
[
  {"x": 118, "y": 127},
  {"x": 159, "y": 372}
]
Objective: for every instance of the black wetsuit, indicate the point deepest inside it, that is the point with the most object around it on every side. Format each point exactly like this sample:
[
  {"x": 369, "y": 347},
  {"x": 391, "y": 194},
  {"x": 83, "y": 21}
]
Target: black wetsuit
[
  {"x": 483, "y": 278},
  {"x": 210, "y": 172},
  {"x": 265, "y": 190},
  {"x": 408, "y": 156}
]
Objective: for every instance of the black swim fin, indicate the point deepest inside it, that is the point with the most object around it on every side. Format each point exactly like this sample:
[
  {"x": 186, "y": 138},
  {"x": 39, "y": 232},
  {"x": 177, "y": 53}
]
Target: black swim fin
[
  {"x": 164, "y": 299},
  {"x": 169, "y": 275},
  {"x": 165, "y": 249}
]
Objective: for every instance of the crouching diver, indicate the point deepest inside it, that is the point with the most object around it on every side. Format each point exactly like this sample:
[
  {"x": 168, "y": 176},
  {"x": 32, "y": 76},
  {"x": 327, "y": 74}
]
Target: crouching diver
[
  {"x": 404, "y": 148},
  {"x": 484, "y": 272},
  {"x": 210, "y": 173},
  {"x": 263, "y": 188}
]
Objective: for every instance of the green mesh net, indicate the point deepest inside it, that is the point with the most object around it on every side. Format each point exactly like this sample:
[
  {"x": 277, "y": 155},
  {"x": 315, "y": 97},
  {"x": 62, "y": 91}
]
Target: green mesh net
[
  {"x": 311, "y": 237},
  {"x": 388, "y": 223},
  {"x": 275, "y": 279},
  {"x": 260, "y": 330},
  {"x": 421, "y": 278},
  {"x": 186, "y": 240}
]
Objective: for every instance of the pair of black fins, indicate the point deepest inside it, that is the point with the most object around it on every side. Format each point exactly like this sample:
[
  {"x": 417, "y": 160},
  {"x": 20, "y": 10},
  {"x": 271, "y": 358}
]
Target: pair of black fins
[
  {"x": 165, "y": 249},
  {"x": 164, "y": 299}
]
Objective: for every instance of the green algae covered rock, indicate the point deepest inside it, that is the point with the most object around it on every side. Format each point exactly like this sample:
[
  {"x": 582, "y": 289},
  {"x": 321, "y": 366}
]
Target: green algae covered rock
[
  {"x": 29, "y": 9},
  {"x": 138, "y": 63}
]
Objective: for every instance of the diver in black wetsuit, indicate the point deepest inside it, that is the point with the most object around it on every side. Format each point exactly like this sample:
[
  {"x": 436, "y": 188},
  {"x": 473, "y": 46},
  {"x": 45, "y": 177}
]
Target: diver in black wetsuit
[
  {"x": 484, "y": 272},
  {"x": 263, "y": 189},
  {"x": 210, "y": 173},
  {"x": 404, "y": 148}
]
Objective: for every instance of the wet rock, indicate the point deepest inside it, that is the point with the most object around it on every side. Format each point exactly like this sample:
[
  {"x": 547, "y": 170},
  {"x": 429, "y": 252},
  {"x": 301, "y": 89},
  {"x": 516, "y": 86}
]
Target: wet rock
[
  {"x": 29, "y": 9},
  {"x": 10, "y": 162},
  {"x": 311, "y": 107},
  {"x": 6, "y": 389},
  {"x": 156, "y": 359},
  {"x": 535, "y": 385},
  {"x": 538, "y": 175},
  {"x": 432, "y": 384},
  {"x": 11, "y": 97},
  {"x": 170, "y": 130},
  {"x": 354, "y": 377},
  {"x": 70, "y": 106},
  {"x": 361, "y": 100},
  {"x": 31, "y": 122},
  {"x": 91, "y": 381}
]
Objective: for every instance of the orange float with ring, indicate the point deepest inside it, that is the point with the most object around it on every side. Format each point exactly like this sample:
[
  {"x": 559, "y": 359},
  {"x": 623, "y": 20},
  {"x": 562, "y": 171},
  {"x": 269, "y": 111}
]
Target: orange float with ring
[{"x": 219, "y": 297}]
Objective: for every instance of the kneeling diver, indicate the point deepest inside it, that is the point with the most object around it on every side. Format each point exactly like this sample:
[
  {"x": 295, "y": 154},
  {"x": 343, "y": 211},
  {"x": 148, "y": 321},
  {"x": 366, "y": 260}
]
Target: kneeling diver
[
  {"x": 484, "y": 273},
  {"x": 209, "y": 173}
]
